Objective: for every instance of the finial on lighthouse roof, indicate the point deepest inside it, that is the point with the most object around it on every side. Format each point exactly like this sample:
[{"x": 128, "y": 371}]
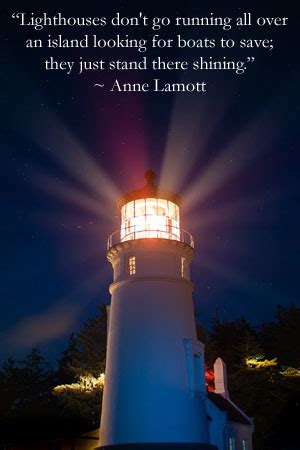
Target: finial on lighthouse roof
[
  {"x": 150, "y": 179},
  {"x": 149, "y": 190}
]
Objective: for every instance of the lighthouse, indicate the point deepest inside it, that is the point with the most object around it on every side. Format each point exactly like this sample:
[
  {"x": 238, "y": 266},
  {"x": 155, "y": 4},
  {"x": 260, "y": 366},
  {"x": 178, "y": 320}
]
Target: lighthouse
[{"x": 154, "y": 395}]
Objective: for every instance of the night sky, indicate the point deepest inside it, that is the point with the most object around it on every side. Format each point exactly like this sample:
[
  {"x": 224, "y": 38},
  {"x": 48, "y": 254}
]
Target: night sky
[{"x": 68, "y": 150}]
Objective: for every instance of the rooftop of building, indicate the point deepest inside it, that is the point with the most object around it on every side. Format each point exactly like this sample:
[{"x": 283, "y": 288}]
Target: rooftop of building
[{"x": 233, "y": 413}]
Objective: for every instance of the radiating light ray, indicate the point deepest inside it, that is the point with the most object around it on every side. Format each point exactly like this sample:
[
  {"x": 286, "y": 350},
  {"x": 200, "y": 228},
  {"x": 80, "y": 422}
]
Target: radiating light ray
[
  {"x": 194, "y": 119},
  {"x": 252, "y": 141},
  {"x": 82, "y": 239},
  {"x": 53, "y": 323},
  {"x": 68, "y": 193},
  {"x": 239, "y": 279},
  {"x": 43, "y": 126},
  {"x": 66, "y": 150},
  {"x": 61, "y": 146},
  {"x": 192, "y": 123},
  {"x": 123, "y": 131},
  {"x": 226, "y": 272},
  {"x": 57, "y": 220},
  {"x": 239, "y": 210}
]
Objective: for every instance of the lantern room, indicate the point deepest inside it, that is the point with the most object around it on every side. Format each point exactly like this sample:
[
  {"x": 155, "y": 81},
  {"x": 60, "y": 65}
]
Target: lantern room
[
  {"x": 150, "y": 218},
  {"x": 150, "y": 212}
]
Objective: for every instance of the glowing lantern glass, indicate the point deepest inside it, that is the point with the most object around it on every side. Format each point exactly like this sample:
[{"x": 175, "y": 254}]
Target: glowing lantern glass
[{"x": 150, "y": 218}]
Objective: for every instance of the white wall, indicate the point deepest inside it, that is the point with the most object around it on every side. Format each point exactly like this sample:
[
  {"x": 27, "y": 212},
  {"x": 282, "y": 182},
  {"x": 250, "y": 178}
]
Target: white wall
[{"x": 147, "y": 397}]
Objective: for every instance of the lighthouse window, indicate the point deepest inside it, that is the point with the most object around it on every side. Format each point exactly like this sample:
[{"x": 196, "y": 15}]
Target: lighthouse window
[
  {"x": 172, "y": 210},
  {"x": 130, "y": 210},
  {"x": 162, "y": 206},
  {"x": 150, "y": 218},
  {"x": 140, "y": 207},
  {"x": 151, "y": 206},
  {"x": 231, "y": 443},
  {"x": 131, "y": 265},
  {"x": 245, "y": 444},
  {"x": 183, "y": 267}
]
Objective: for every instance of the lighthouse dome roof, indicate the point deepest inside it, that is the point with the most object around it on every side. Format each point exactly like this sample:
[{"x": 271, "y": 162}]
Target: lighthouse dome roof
[{"x": 150, "y": 190}]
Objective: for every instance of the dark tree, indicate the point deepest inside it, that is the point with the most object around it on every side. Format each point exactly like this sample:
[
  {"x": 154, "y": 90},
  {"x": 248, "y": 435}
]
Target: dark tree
[
  {"x": 281, "y": 336},
  {"x": 26, "y": 399},
  {"x": 267, "y": 392},
  {"x": 80, "y": 365},
  {"x": 86, "y": 351},
  {"x": 67, "y": 364},
  {"x": 92, "y": 344},
  {"x": 233, "y": 341}
]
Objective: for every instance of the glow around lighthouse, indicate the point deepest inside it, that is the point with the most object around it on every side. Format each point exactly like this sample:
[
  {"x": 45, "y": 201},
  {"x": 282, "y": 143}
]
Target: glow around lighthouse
[{"x": 154, "y": 395}]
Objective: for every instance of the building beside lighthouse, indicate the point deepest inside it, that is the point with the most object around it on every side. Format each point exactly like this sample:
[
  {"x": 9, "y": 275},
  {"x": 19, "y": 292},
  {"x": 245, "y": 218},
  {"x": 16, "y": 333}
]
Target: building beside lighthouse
[
  {"x": 155, "y": 393},
  {"x": 229, "y": 427}
]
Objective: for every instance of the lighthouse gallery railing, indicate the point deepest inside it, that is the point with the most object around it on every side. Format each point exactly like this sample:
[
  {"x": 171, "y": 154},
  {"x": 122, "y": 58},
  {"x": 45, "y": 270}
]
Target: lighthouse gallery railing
[{"x": 116, "y": 238}]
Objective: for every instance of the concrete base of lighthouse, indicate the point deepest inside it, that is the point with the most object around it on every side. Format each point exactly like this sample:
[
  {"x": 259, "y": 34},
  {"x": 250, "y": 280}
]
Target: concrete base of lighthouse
[{"x": 159, "y": 446}]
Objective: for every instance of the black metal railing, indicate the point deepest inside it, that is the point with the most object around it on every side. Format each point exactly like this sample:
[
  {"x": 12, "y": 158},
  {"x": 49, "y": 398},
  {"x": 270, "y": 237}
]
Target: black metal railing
[{"x": 182, "y": 236}]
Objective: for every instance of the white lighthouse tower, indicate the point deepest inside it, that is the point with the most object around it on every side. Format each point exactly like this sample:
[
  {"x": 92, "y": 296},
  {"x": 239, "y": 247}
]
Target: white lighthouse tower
[{"x": 154, "y": 395}]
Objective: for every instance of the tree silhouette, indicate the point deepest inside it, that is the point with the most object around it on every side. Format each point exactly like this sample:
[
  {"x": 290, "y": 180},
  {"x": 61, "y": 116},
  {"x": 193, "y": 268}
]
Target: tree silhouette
[
  {"x": 281, "y": 336},
  {"x": 268, "y": 392},
  {"x": 86, "y": 351}
]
